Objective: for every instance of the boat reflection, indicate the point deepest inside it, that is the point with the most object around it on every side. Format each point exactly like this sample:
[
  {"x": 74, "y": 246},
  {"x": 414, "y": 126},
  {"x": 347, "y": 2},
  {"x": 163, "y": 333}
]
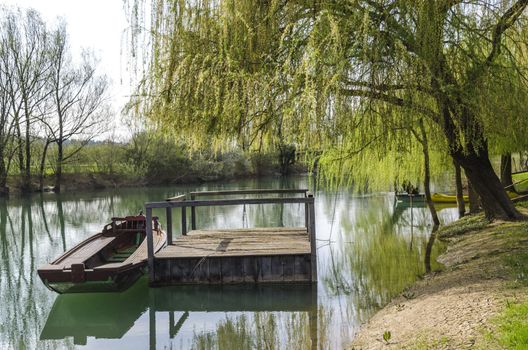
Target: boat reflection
[
  {"x": 112, "y": 315},
  {"x": 99, "y": 315}
]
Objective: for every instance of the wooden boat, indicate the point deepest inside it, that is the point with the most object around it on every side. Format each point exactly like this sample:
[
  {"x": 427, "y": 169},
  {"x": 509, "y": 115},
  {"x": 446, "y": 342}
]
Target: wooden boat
[
  {"x": 446, "y": 198},
  {"x": 404, "y": 196},
  {"x": 109, "y": 261}
]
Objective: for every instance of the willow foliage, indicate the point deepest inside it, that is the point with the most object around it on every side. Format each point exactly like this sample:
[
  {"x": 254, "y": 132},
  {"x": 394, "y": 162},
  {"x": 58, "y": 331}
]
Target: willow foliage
[{"x": 349, "y": 78}]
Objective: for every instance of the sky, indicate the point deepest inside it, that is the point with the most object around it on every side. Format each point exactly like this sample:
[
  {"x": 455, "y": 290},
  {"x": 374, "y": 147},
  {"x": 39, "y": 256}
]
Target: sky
[{"x": 99, "y": 25}]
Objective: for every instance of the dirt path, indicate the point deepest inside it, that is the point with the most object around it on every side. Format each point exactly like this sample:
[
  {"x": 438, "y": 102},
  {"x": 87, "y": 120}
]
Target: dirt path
[{"x": 451, "y": 309}]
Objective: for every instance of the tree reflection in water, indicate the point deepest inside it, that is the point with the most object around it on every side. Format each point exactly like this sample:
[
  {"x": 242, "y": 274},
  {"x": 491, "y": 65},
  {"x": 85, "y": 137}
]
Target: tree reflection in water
[{"x": 369, "y": 250}]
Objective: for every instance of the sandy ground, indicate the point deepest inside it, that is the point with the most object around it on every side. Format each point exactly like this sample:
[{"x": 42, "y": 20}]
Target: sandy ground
[{"x": 451, "y": 309}]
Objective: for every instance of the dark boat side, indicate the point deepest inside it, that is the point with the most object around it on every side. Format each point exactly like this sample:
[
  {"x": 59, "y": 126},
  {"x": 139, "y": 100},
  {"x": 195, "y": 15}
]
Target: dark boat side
[
  {"x": 404, "y": 196},
  {"x": 109, "y": 261}
]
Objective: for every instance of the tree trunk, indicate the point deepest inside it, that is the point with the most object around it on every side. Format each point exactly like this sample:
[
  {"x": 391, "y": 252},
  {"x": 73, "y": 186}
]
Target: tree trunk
[
  {"x": 60, "y": 215},
  {"x": 427, "y": 175},
  {"x": 459, "y": 191},
  {"x": 20, "y": 149},
  {"x": 286, "y": 158},
  {"x": 58, "y": 171},
  {"x": 27, "y": 167},
  {"x": 484, "y": 181},
  {"x": 43, "y": 165},
  {"x": 474, "y": 202},
  {"x": 472, "y": 155},
  {"x": 4, "y": 190},
  {"x": 429, "y": 250},
  {"x": 506, "y": 172}
]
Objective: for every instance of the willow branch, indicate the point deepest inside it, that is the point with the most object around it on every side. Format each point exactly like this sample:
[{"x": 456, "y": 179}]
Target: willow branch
[
  {"x": 393, "y": 100},
  {"x": 507, "y": 20},
  {"x": 388, "y": 87}
]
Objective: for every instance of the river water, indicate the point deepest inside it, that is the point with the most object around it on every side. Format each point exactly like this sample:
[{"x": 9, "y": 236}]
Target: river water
[{"x": 370, "y": 248}]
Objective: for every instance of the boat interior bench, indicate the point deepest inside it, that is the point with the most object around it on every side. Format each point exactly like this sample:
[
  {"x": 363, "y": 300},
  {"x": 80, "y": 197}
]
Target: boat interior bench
[
  {"x": 136, "y": 257},
  {"x": 82, "y": 255}
]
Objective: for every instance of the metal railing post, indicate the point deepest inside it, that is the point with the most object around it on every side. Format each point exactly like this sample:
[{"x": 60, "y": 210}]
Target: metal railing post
[
  {"x": 183, "y": 221},
  {"x": 168, "y": 211},
  {"x": 313, "y": 242},
  {"x": 193, "y": 215},
  {"x": 306, "y": 214},
  {"x": 307, "y": 194},
  {"x": 150, "y": 245}
]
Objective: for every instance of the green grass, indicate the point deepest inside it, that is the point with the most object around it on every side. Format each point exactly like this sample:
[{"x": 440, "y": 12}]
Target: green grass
[
  {"x": 511, "y": 327},
  {"x": 464, "y": 225},
  {"x": 523, "y": 204},
  {"x": 518, "y": 264},
  {"x": 521, "y": 177}
]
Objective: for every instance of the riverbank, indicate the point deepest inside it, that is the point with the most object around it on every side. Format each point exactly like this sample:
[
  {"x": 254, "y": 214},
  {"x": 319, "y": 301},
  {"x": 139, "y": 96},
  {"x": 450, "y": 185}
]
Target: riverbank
[
  {"x": 479, "y": 301},
  {"x": 96, "y": 181}
]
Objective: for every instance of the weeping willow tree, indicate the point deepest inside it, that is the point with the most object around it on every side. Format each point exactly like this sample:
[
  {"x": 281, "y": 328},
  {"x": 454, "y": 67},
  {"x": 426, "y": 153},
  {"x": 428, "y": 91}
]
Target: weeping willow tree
[
  {"x": 507, "y": 89},
  {"x": 333, "y": 75}
]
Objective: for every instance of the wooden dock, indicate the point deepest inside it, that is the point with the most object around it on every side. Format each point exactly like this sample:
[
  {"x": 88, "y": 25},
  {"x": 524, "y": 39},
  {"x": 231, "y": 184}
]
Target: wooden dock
[{"x": 227, "y": 256}]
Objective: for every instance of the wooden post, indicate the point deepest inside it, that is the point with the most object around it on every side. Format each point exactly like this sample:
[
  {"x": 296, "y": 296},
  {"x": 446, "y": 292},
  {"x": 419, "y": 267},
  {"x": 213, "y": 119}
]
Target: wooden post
[
  {"x": 313, "y": 242},
  {"x": 150, "y": 245},
  {"x": 152, "y": 327},
  {"x": 183, "y": 221},
  {"x": 171, "y": 324},
  {"x": 313, "y": 318},
  {"x": 168, "y": 211},
  {"x": 307, "y": 194},
  {"x": 193, "y": 215},
  {"x": 306, "y": 217}
]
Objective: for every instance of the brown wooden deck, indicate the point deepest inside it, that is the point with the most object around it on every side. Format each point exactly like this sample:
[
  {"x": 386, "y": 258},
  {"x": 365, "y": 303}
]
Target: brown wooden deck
[
  {"x": 225, "y": 256},
  {"x": 239, "y": 242}
]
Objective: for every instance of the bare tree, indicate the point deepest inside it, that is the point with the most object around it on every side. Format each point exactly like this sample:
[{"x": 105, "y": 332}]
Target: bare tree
[
  {"x": 29, "y": 47},
  {"x": 25, "y": 68},
  {"x": 6, "y": 123},
  {"x": 79, "y": 100},
  {"x": 44, "y": 95}
]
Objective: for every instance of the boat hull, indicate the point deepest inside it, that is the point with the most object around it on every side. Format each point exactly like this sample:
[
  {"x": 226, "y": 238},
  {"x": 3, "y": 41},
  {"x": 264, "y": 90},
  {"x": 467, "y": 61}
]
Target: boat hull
[
  {"x": 407, "y": 197},
  {"x": 446, "y": 198},
  {"x": 95, "y": 282}
]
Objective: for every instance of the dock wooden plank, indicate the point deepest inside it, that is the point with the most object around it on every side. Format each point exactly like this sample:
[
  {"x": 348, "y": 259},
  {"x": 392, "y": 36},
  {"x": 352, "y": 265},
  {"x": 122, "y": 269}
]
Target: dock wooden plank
[
  {"x": 288, "y": 269},
  {"x": 302, "y": 269},
  {"x": 241, "y": 242},
  {"x": 250, "y": 271},
  {"x": 265, "y": 269},
  {"x": 164, "y": 270},
  {"x": 256, "y": 255},
  {"x": 229, "y": 270},
  {"x": 214, "y": 272}
]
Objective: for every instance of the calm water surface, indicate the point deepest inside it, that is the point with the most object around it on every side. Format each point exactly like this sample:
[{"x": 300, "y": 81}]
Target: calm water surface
[{"x": 369, "y": 249}]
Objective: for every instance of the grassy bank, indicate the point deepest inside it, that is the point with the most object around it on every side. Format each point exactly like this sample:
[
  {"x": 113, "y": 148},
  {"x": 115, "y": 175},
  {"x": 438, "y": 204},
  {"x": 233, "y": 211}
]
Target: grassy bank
[
  {"x": 479, "y": 301},
  {"x": 108, "y": 165},
  {"x": 95, "y": 181}
]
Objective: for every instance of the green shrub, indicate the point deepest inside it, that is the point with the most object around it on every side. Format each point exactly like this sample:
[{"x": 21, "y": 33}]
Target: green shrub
[{"x": 263, "y": 163}]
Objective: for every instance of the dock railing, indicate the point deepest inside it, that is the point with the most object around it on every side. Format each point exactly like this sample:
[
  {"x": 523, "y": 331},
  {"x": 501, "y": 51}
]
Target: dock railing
[{"x": 189, "y": 200}]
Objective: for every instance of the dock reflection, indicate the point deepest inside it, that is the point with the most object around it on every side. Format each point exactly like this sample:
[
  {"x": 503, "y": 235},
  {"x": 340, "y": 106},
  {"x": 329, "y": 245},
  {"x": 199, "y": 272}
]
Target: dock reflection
[{"x": 112, "y": 315}]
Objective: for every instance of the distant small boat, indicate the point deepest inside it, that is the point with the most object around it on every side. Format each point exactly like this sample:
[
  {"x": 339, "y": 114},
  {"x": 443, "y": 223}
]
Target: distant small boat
[
  {"x": 404, "y": 196},
  {"x": 106, "y": 262},
  {"x": 438, "y": 197},
  {"x": 446, "y": 198}
]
